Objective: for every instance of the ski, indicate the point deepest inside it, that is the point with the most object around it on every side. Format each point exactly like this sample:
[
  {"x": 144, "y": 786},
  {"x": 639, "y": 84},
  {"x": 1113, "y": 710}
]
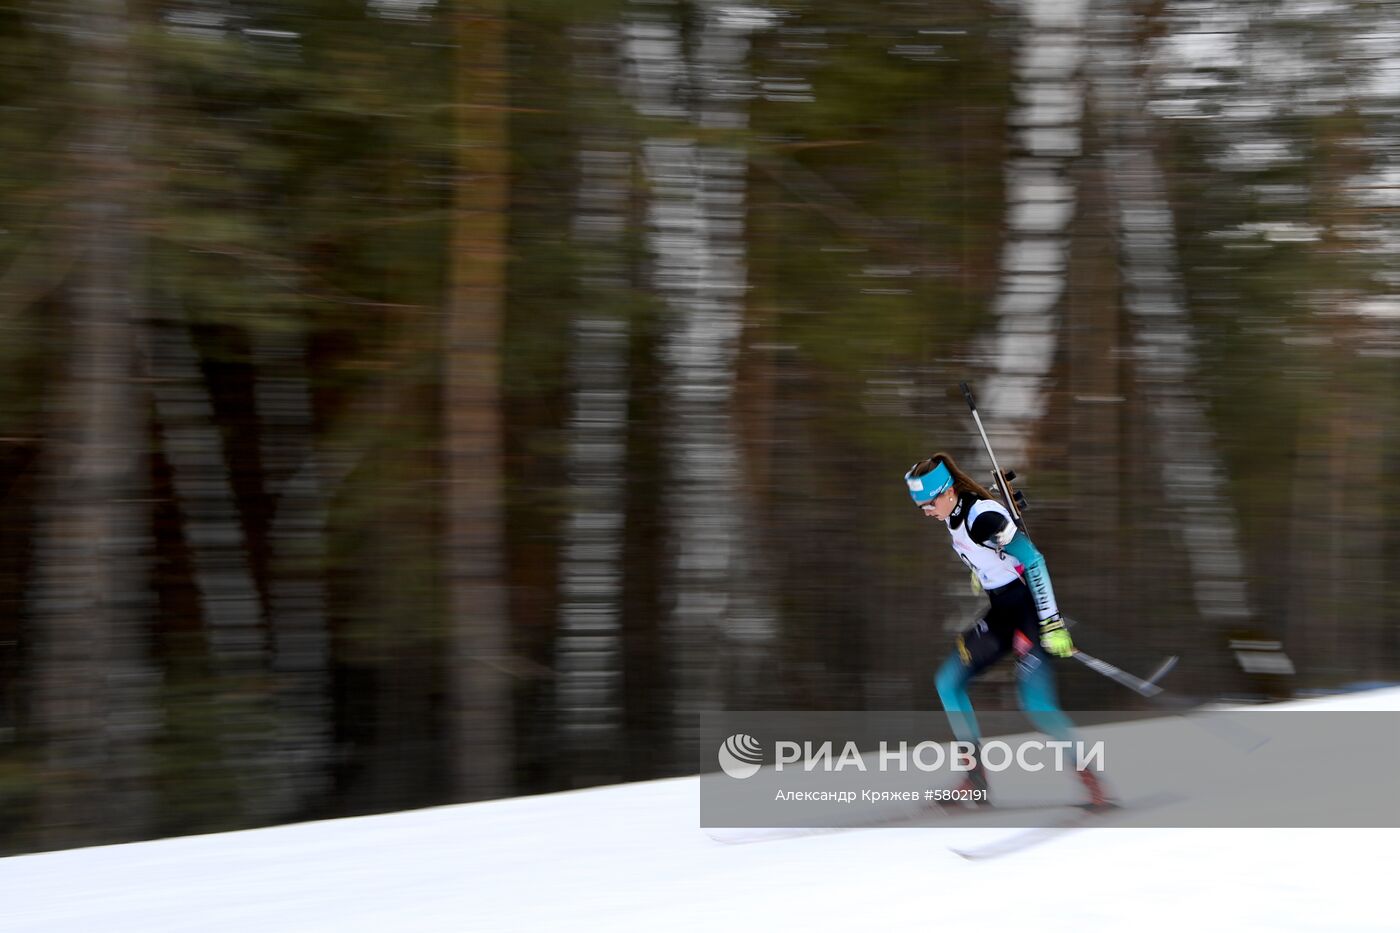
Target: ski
[{"x": 1084, "y": 817}]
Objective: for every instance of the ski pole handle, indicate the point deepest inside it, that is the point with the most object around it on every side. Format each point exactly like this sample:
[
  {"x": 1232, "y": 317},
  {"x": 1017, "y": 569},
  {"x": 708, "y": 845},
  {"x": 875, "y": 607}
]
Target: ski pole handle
[{"x": 967, "y": 394}]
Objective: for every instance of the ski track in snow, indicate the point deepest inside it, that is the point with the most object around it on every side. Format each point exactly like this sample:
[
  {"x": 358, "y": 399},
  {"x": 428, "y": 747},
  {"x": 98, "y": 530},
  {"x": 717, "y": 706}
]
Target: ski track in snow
[{"x": 632, "y": 857}]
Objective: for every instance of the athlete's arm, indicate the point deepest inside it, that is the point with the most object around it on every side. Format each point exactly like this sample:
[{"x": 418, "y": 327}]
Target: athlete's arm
[
  {"x": 1037, "y": 576},
  {"x": 992, "y": 527}
]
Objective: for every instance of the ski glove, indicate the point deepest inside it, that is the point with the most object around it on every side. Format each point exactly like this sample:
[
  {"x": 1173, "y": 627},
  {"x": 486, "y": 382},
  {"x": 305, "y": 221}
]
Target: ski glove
[
  {"x": 975, "y": 583},
  {"x": 1054, "y": 637}
]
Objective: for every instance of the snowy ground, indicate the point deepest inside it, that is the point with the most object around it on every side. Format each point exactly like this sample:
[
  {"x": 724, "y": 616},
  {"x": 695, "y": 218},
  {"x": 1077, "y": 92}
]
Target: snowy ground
[{"x": 633, "y": 857}]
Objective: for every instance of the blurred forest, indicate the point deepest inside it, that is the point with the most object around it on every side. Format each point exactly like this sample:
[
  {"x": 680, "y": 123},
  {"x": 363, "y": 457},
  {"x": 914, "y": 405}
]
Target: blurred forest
[{"x": 408, "y": 402}]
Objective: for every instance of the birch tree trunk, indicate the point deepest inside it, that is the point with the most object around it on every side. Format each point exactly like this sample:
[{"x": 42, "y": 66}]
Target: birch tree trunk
[
  {"x": 725, "y": 89},
  {"x": 1045, "y": 129},
  {"x": 94, "y": 685},
  {"x": 229, "y": 599},
  {"x": 1164, "y": 347},
  {"x": 1045, "y": 139},
  {"x": 696, "y": 235},
  {"x": 295, "y": 475},
  {"x": 589, "y": 652},
  {"x": 481, "y": 701}
]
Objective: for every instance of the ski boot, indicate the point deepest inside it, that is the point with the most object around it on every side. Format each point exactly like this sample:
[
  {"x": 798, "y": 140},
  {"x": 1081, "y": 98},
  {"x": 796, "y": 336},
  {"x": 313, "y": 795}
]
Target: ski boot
[
  {"x": 971, "y": 791},
  {"x": 1098, "y": 795}
]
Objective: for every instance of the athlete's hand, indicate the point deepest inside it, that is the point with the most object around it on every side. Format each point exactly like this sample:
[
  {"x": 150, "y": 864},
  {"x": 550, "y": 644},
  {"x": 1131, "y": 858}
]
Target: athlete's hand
[{"x": 1054, "y": 637}]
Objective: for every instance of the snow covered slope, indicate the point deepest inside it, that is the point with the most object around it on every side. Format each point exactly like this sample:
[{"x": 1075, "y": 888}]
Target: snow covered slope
[{"x": 632, "y": 857}]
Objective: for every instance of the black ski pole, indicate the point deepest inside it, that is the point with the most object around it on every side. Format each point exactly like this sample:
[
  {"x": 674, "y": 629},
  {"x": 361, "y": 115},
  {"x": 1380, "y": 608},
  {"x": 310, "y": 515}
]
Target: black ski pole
[
  {"x": 1225, "y": 727},
  {"x": 1147, "y": 688}
]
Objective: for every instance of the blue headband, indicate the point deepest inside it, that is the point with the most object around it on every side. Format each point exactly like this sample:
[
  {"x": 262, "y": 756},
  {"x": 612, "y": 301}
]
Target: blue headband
[{"x": 933, "y": 483}]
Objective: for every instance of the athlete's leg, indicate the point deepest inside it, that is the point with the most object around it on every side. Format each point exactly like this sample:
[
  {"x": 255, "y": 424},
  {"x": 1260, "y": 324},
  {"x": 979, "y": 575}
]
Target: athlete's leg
[
  {"x": 952, "y": 682},
  {"x": 1035, "y": 687},
  {"x": 977, "y": 647},
  {"x": 1035, "y": 684}
]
